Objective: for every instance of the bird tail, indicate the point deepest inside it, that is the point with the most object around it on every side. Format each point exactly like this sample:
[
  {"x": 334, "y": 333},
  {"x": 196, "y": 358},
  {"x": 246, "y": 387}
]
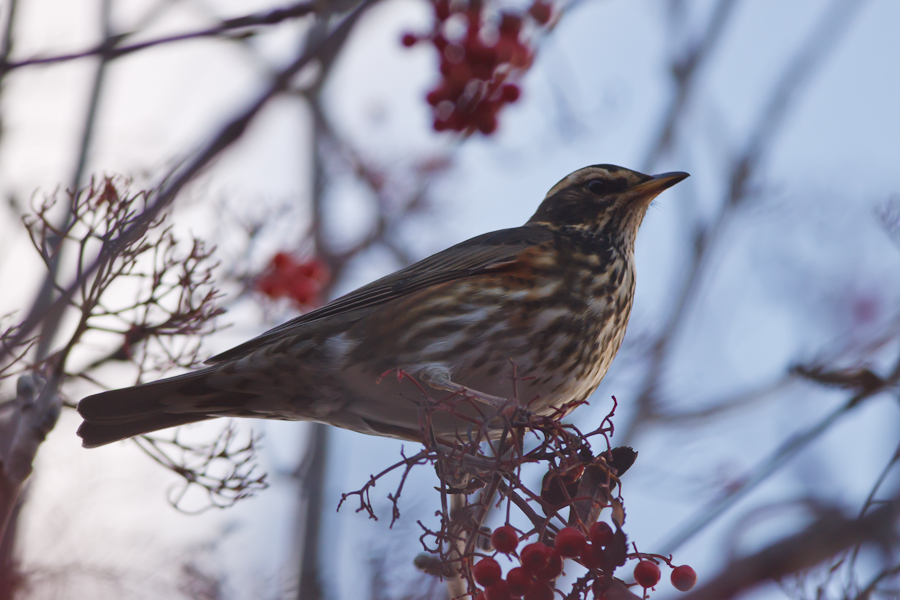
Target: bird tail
[{"x": 121, "y": 414}]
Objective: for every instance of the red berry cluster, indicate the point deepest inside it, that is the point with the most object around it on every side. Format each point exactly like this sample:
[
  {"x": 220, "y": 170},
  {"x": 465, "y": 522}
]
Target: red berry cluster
[
  {"x": 286, "y": 277},
  {"x": 474, "y": 72},
  {"x": 533, "y": 580},
  {"x": 540, "y": 565}
]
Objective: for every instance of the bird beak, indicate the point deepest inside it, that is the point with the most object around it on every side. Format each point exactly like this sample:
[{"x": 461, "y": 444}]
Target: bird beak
[{"x": 658, "y": 183}]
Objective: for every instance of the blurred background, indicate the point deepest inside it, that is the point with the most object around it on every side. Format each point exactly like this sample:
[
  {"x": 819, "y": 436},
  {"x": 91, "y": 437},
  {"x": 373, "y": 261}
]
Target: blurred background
[{"x": 768, "y": 282}]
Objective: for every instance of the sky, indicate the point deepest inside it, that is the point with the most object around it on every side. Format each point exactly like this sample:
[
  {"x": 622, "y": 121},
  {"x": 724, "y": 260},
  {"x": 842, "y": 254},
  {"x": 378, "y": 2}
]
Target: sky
[{"x": 803, "y": 269}]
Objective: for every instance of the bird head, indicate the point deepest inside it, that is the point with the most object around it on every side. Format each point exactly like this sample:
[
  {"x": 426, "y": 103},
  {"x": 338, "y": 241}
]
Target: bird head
[{"x": 603, "y": 199}]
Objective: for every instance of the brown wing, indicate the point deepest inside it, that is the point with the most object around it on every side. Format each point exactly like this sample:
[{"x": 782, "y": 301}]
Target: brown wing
[{"x": 488, "y": 251}]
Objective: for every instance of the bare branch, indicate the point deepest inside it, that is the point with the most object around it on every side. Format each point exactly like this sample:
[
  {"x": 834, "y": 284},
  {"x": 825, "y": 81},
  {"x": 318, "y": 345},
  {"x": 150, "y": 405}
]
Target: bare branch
[{"x": 110, "y": 49}]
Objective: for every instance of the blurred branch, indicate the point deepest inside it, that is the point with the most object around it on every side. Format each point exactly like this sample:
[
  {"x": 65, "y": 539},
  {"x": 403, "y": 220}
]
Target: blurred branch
[
  {"x": 386, "y": 220},
  {"x": 309, "y": 583},
  {"x": 50, "y": 325},
  {"x": 865, "y": 384},
  {"x": 110, "y": 50},
  {"x": 7, "y": 44},
  {"x": 822, "y": 539},
  {"x": 28, "y": 420},
  {"x": 724, "y": 404},
  {"x": 866, "y": 593},
  {"x": 685, "y": 70},
  {"x": 811, "y": 55}
]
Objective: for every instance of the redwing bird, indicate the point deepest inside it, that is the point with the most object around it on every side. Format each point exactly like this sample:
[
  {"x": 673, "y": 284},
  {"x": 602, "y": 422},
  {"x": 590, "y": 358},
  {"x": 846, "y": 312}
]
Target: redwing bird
[{"x": 533, "y": 314}]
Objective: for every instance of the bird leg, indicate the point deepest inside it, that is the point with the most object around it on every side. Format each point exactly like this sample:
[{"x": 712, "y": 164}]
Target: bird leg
[{"x": 438, "y": 377}]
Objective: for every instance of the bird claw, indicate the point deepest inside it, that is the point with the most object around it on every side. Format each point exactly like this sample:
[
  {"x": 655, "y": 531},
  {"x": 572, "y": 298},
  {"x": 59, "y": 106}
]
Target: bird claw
[
  {"x": 502, "y": 405},
  {"x": 439, "y": 379}
]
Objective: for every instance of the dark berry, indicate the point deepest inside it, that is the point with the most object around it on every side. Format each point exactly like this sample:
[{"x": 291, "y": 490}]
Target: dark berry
[
  {"x": 541, "y": 11},
  {"x": 511, "y": 92},
  {"x": 510, "y": 25},
  {"x": 505, "y": 539},
  {"x": 518, "y": 581},
  {"x": 498, "y": 591},
  {"x": 442, "y": 9},
  {"x": 683, "y": 578},
  {"x": 487, "y": 125},
  {"x": 487, "y": 572},
  {"x": 539, "y": 591},
  {"x": 552, "y": 569},
  {"x": 570, "y": 542},
  {"x": 435, "y": 96},
  {"x": 646, "y": 573},
  {"x": 409, "y": 39},
  {"x": 535, "y": 556},
  {"x": 601, "y": 534}
]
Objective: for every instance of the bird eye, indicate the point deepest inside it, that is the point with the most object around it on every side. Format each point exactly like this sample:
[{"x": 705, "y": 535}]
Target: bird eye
[{"x": 598, "y": 186}]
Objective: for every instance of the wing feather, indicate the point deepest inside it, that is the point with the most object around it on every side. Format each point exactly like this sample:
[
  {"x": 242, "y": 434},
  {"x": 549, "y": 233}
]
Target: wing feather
[{"x": 485, "y": 252}]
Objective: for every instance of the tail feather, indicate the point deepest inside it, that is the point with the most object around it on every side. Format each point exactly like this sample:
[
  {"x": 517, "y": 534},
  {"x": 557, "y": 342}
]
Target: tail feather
[
  {"x": 94, "y": 434},
  {"x": 120, "y": 414}
]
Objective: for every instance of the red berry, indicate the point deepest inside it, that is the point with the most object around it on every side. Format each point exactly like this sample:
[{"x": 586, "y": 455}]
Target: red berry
[
  {"x": 487, "y": 572},
  {"x": 683, "y": 578},
  {"x": 505, "y": 539},
  {"x": 498, "y": 591},
  {"x": 487, "y": 125},
  {"x": 442, "y": 9},
  {"x": 480, "y": 596},
  {"x": 590, "y": 556},
  {"x": 552, "y": 569},
  {"x": 519, "y": 581},
  {"x": 510, "y": 25},
  {"x": 646, "y": 573},
  {"x": 511, "y": 92},
  {"x": 535, "y": 556},
  {"x": 601, "y": 534},
  {"x": 539, "y": 591},
  {"x": 281, "y": 260},
  {"x": 409, "y": 39},
  {"x": 541, "y": 11},
  {"x": 570, "y": 542}
]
